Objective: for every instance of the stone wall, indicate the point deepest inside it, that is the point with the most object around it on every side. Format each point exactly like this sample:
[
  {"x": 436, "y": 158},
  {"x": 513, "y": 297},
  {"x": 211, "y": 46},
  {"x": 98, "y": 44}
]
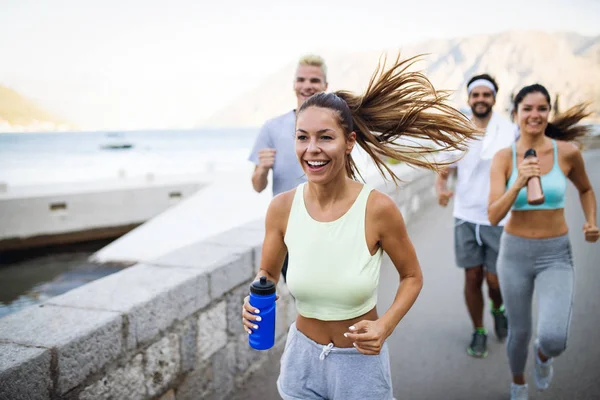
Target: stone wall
[{"x": 169, "y": 328}]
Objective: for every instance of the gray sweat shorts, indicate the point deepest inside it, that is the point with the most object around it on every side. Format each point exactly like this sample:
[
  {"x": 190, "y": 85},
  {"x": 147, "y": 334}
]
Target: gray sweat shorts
[
  {"x": 314, "y": 371},
  {"x": 476, "y": 244}
]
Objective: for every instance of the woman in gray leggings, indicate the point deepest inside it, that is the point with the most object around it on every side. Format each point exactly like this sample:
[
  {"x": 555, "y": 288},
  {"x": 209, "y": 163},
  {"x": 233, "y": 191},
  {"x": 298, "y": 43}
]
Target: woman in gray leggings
[{"x": 534, "y": 249}]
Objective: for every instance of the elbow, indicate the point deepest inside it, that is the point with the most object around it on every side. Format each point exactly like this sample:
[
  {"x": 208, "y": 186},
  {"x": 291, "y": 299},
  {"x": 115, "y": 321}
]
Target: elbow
[
  {"x": 418, "y": 285},
  {"x": 257, "y": 186},
  {"x": 418, "y": 281},
  {"x": 585, "y": 191},
  {"x": 493, "y": 218}
]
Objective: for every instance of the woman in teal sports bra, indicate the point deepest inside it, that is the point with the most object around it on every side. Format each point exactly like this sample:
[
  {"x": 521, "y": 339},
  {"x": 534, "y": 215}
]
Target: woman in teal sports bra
[
  {"x": 535, "y": 251},
  {"x": 336, "y": 229}
]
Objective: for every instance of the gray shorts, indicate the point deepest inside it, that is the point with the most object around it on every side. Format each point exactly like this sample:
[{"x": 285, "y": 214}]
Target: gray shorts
[
  {"x": 476, "y": 245},
  {"x": 313, "y": 371}
]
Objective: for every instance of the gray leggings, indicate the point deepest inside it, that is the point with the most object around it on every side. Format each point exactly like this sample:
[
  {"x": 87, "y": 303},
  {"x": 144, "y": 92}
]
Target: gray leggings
[{"x": 547, "y": 265}]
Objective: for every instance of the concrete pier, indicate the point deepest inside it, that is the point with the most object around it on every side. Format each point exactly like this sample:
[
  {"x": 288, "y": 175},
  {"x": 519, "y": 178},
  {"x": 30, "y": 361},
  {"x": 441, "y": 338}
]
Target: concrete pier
[{"x": 43, "y": 215}]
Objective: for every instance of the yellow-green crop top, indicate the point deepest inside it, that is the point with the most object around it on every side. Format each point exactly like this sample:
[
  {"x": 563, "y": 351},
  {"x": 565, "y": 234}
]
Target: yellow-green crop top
[{"x": 331, "y": 273}]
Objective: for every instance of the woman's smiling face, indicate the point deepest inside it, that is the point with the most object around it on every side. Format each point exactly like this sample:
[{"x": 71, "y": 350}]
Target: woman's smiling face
[
  {"x": 322, "y": 146},
  {"x": 532, "y": 114}
]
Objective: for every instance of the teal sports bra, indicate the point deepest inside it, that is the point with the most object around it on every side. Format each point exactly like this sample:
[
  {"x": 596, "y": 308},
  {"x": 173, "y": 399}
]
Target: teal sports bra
[{"x": 554, "y": 185}]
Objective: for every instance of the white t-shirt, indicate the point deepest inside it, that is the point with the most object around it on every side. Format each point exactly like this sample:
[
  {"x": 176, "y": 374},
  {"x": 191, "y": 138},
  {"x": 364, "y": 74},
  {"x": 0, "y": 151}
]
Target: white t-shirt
[{"x": 473, "y": 171}]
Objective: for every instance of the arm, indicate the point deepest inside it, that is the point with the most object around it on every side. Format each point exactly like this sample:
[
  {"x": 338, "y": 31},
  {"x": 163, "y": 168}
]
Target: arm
[
  {"x": 394, "y": 240},
  {"x": 441, "y": 185},
  {"x": 580, "y": 179},
  {"x": 369, "y": 336},
  {"x": 263, "y": 156},
  {"x": 274, "y": 248},
  {"x": 500, "y": 198},
  {"x": 260, "y": 178},
  {"x": 273, "y": 251},
  {"x": 441, "y": 180}
]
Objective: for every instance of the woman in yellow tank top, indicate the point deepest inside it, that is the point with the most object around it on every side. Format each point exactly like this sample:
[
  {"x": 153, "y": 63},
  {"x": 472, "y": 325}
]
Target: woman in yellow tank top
[{"x": 335, "y": 230}]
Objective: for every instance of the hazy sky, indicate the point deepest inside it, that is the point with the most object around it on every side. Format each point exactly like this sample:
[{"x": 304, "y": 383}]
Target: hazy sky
[{"x": 149, "y": 63}]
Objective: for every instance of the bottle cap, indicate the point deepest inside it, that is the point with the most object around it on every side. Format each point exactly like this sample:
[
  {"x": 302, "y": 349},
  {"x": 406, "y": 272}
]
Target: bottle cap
[
  {"x": 262, "y": 286},
  {"x": 530, "y": 153}
]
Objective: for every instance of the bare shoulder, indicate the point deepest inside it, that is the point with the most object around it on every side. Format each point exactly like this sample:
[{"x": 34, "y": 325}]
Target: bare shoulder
[
  {"x": 502, "y": 159},
  {"x": 568, "y": 150},
  {"x": 503, "y": 155},
  {"x": 282, "y": 203},
  {"x": 279, "y": 211},
  {"x": 384, "y": 219},
  {"x": 381, "y": 205}
]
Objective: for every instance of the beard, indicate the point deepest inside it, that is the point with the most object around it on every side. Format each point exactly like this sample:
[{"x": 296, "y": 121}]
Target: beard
[{"x": 482, "y": 114}]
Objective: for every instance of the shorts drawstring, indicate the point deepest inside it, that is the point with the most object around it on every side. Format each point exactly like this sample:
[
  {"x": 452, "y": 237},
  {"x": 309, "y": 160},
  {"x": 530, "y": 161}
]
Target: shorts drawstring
[
  {"x": 478, "y": 235},
  {"x": 326, "y": 351}
]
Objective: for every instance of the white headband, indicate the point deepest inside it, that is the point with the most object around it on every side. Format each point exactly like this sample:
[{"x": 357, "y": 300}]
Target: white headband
[{"x": 481, "y": 82}]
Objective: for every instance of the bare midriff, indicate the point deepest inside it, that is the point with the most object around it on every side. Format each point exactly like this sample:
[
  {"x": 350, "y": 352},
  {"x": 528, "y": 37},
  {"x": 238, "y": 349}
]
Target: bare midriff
[
  {"x": 325, "y": 332},
  {"x": 537, "y": 224}
]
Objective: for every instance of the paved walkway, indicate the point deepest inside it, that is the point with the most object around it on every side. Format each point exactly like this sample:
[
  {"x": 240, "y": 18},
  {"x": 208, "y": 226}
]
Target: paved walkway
[{"x": 428, "y": 348}]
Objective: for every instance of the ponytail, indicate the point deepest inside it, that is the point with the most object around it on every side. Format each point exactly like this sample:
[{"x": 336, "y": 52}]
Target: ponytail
[
  {"x": 564, "y": 126},
  {"x": 398, "y": 105}
]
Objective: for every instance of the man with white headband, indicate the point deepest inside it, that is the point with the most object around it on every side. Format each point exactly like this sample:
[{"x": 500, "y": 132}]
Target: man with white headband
[{"x": 476, "y": 241}]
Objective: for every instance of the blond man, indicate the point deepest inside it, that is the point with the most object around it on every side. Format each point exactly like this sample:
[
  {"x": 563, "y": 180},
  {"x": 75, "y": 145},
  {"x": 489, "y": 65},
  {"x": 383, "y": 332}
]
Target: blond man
[{"x": 274, "y": 146}]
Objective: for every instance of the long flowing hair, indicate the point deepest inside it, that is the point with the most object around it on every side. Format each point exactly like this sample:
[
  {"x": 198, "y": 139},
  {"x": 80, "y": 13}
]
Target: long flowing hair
[{"x": 400, "y": 116}]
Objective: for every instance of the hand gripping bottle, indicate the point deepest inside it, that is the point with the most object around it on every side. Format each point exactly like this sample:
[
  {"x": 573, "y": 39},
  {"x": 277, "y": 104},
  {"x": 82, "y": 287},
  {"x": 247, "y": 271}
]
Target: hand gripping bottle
[
  {"x": 262, "y": 296},
  {"x": 535, "y": 193}
]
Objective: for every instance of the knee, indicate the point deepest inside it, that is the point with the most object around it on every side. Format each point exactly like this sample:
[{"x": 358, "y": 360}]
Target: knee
[
  {"x": 518, "y": 337},
  {"x": 552, "y": 344},
  {"x": 474, "y": 278}
]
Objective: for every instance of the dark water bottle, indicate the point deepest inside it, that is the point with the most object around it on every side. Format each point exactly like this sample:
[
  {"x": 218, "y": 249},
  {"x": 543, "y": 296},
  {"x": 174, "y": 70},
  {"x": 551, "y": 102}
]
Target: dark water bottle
[
  {"x": 262, "y": 296},
  {"x": 535, "y": 193}
]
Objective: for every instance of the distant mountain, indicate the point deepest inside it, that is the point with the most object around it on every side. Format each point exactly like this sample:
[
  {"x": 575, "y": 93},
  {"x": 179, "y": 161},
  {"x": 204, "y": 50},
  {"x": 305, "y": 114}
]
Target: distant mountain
[
  {"x": 566, "y": 63},
  {"x": 18, "y": 114}
]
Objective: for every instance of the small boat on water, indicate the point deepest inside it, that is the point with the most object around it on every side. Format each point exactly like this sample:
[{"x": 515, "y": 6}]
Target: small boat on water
[
  {"x": 117, "y": 142},
  {"x": 116, "y": 146}
]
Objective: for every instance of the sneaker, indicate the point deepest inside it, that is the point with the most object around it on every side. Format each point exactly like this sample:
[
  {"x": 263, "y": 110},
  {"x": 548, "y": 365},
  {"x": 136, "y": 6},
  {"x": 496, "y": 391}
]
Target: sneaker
[
  {"x": 519, "y": 392},
  {"x": 543, "y": 370},
  {"x": 478, "y": 346},
  {"x": 500, "y": 324}
]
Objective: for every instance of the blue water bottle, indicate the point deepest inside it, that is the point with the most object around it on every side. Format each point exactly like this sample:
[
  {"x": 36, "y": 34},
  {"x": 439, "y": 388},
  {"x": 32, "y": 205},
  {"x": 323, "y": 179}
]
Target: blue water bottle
[{"x": 262, "y": 296}]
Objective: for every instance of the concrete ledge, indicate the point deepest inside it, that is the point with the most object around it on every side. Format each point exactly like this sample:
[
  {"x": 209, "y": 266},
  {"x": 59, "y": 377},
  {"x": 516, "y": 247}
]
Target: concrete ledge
[
  {"x": 151, "y": 298},
  {"x": 249, "y": 236},
  {"x": 202, "y": 255},
  {"x": 24, "y": 372},
  {"x": 83, "y": 340}
]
